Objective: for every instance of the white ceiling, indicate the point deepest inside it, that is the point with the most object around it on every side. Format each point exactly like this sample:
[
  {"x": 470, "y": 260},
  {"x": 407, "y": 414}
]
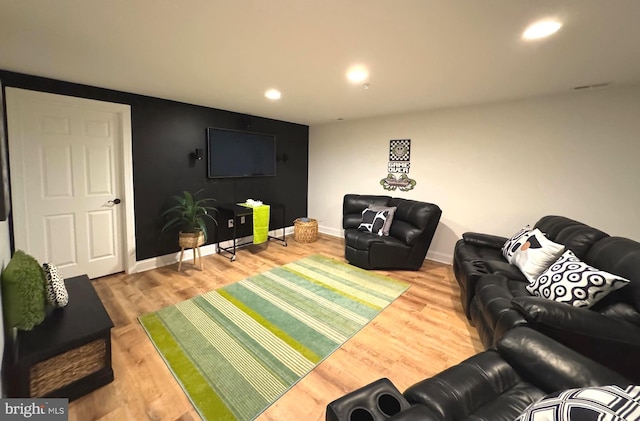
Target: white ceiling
[{"x": 422, "y": 54}]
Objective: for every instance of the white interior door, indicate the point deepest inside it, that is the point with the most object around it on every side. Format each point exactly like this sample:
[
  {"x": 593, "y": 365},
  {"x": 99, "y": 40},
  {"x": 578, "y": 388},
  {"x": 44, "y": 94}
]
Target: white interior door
[{"x": 66, "y": 181}]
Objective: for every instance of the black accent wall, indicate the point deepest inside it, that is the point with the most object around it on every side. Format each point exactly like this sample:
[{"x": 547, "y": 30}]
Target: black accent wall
[{"x": 165, "y": 133}]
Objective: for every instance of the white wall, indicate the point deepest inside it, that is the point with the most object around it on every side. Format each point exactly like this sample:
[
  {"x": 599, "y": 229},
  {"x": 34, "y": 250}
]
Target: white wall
[
  {"x": 494, "y": 168},
  {"x": 5, "y": 256}
]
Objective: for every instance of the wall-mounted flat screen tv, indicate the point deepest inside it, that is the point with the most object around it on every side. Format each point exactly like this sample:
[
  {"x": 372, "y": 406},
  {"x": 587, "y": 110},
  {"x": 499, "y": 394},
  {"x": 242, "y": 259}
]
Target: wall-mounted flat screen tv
[{"x": 234, "y": 153}]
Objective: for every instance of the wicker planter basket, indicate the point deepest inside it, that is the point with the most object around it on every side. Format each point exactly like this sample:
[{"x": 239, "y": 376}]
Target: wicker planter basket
[
  {"x": 305, "y": 231},
  {"x": 189, "y": 240}
]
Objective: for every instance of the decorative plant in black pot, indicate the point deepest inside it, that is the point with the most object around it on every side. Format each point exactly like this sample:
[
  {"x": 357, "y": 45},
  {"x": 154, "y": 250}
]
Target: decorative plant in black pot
[{"x": 189, "y": 215}]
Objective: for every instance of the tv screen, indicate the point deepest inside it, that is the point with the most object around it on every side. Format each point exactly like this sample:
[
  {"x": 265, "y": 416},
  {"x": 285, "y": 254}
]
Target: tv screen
[{"x": 233, "y": 153}]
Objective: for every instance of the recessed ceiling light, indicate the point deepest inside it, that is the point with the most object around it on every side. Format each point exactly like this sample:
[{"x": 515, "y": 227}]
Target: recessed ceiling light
[
  {"x": 541, "y": 29},
  {"x": 357, "y": 74},
  {"x": 273, "y": 94}
]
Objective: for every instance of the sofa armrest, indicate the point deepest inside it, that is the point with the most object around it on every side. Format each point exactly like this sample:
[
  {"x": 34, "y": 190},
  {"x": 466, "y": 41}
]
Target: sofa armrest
[
  {"x": 540, "y": 311},
  {"x": 552, "y": 366},
  {"x": 484, "y": 240},
  {"x": 459, "y": 391},
  {"x": 416, "y": 412}
]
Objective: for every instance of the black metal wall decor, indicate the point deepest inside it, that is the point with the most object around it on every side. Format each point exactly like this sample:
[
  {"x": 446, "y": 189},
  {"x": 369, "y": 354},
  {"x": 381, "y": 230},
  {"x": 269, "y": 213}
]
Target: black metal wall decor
[{"x": 399, "y": 157}]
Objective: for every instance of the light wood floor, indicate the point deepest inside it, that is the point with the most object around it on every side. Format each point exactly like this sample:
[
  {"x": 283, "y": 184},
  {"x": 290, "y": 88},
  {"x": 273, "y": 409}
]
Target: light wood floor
[{"x": 420, "y": 334}]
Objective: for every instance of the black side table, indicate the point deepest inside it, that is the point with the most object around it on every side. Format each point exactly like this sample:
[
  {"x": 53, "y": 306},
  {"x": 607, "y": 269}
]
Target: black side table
[
  {"x": 69, "y": 354},
  {"x": 235, "y": 213}
]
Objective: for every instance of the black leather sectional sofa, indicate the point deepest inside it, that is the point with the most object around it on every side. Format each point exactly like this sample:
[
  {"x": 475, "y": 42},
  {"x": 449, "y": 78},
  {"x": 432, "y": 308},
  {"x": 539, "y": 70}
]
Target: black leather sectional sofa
[
  {"x": 495, "y": 298},
  {"x": 536, "y": 346}
]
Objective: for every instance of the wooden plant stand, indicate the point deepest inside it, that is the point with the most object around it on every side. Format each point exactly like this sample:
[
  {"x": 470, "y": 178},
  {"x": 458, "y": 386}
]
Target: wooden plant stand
[{"x": 188, "y": 240}]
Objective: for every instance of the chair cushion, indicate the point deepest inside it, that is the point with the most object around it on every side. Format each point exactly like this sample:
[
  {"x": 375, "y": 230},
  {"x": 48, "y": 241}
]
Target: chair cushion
[{"x": 361, "y": 240}]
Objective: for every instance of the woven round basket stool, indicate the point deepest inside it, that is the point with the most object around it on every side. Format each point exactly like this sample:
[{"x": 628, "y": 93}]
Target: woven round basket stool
[{"x": 305, "y": 230}]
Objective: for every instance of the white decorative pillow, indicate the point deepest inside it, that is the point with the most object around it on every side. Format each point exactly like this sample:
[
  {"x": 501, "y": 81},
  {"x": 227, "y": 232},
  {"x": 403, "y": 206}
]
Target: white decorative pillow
[
  {"x": 387, "y": 223},
  {"x": 511, "y": 245},
  {"x": 57, "y": 294},
  {"x": 571, "y": 281},
  {"x": 373, "y": 221},
  {"x": 586, "y": 404},
  {"x": 535, "y": 253}
]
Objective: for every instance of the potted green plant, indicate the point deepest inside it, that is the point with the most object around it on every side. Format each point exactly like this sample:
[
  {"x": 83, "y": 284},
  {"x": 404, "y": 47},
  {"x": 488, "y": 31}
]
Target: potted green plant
[{"x": 189, "y": 216}]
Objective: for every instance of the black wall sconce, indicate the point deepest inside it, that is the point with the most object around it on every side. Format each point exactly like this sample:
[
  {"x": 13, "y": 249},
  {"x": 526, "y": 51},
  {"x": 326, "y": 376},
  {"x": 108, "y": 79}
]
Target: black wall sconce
[
  {"x": 196, "y": 155},
  {"x": 283, "y": 158}
]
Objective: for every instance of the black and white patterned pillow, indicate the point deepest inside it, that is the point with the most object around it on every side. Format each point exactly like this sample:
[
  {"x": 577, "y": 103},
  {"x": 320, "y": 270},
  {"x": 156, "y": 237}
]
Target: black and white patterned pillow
[
  {"x": 586, "y": 404},
  {"x": 570, "y": 280},
  {"x": 388, "y": 219},
  {"x": 513, "y": 243},
  {"x": 57, "y": 294},
  {"x": 373, "y": 221}
]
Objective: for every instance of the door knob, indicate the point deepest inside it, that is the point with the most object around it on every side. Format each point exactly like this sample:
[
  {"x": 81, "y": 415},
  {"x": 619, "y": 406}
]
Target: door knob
[{"x": 114, "y": 201}]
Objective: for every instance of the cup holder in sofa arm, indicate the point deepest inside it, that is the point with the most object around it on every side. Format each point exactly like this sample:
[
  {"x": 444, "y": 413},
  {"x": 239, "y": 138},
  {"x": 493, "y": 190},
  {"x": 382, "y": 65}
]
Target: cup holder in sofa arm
[{"x": 376, "y": 401}]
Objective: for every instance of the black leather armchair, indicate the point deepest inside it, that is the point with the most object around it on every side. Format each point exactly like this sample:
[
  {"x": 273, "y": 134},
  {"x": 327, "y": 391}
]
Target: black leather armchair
[{"x": 414, "y": 224}]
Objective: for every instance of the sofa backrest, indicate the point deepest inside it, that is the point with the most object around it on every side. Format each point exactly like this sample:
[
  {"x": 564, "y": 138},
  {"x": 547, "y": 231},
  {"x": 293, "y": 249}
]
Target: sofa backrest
[
  {"x": 620, "y": 256},
  {"x": 575, "y": 236},
  {"x": 354, "y": 204},
  {"x": 550, "y": 365},
  {"x": 413, "y": 218}
]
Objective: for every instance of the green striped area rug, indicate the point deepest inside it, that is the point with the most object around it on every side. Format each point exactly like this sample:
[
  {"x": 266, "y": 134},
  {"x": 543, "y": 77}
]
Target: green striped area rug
[{"x": 237, "y": 349}]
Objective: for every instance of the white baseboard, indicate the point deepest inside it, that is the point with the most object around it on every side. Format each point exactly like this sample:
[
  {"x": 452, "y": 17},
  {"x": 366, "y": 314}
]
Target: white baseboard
[
  {"x": 169, "y": 259},
  {"x": 209, "y": 249},
  {"x": 431, "y": 255},
  {"x": 437, "y": 256},
  {"x": 331, "y": 231}
]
